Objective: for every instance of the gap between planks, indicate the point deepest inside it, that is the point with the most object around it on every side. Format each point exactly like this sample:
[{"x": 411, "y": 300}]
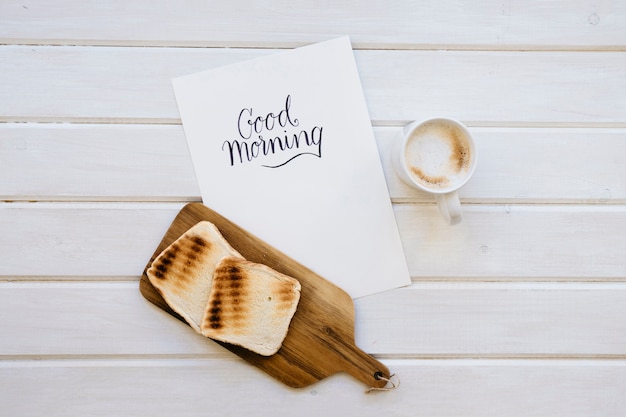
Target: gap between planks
[
  {"x": 286, "y": 45},
  {"x": 65, "y": 121},
  {"x": 8, "y": 282},
  {"x": 109, "y": 361}
]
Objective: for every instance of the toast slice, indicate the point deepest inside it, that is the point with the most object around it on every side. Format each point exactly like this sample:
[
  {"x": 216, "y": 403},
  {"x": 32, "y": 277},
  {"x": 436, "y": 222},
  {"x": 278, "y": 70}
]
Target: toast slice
[
  {"x": 183, "y": 272},
  {"x": 250, "y": 305}
]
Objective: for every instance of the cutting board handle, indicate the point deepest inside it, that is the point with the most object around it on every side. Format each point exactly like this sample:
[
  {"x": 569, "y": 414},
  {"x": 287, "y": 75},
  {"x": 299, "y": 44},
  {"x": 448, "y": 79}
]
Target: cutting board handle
[{"x": 365, "y": 368}]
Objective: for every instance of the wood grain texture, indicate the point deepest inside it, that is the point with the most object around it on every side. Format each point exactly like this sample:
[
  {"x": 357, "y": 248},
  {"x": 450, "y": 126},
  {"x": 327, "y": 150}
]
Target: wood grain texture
[
  {"x": 432, "y": 388},
  {"x": 490, "y": 320},
  {"x": 119, "y": 162},
  {"x": 495, "y": 242},
  {"x": 400, "y": 24},
  {"x": 516, "y": 241},
  {"x": 320, "y": 340},
  {"x": 550, "y": 88},
  {"x": 95, "y": 162}
]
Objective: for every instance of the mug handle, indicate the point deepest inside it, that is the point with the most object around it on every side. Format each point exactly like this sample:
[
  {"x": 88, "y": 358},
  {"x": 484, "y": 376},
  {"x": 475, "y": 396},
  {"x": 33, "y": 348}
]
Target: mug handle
[{"x": 450, "y": 207}]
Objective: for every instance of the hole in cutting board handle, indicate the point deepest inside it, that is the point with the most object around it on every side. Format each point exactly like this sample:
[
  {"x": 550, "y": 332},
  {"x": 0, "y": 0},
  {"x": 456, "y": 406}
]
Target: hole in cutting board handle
[{"x": 378, "y": 375}]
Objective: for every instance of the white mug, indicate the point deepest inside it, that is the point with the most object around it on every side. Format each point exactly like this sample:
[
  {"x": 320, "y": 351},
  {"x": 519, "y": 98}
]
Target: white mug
[{"x": 437, "y": 156}]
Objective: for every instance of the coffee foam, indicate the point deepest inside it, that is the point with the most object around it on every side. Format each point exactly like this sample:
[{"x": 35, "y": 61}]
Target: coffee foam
[{"x": 438, "y": 156}]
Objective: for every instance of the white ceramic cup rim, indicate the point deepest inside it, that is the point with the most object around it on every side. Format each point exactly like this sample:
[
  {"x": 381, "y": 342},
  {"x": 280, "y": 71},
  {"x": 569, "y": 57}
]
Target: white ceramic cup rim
[{"x": 409, "y": 129}]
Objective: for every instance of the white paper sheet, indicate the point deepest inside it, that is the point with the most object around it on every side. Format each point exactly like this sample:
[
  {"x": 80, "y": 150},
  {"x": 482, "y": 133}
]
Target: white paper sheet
[{"x": 283, "y": 146}]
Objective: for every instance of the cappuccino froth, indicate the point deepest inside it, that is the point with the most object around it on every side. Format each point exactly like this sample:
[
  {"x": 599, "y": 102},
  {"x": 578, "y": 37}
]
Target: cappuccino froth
[{"x": 438, "y": 156}]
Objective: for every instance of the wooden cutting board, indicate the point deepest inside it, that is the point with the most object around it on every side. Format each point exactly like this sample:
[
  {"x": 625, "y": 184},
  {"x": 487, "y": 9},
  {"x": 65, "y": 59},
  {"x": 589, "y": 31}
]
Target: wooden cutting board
[{"x": 320, "y": 340}]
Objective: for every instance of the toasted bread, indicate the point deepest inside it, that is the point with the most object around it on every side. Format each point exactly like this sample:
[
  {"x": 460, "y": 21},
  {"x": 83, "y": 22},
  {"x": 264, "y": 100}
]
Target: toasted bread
[
  {"x": 183, "y": 272},
  {"x": 250, "y": 305}
]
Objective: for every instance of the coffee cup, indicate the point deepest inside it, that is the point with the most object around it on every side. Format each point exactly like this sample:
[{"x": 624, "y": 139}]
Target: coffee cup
[{"x": 437, "y": 156}]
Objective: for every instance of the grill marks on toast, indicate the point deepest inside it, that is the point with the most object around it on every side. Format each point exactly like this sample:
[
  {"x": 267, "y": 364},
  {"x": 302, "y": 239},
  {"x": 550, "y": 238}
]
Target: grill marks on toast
[
  {"x": 183, "y": 259},
  {"x": 250, "y": 305},
  {"x": 183, "y": 272},
  {"x": 226, "y": 306},
  {"x": 223, "y": 296}
]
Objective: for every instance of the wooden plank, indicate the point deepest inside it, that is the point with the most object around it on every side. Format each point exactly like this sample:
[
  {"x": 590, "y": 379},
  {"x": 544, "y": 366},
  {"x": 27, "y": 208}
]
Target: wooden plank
[
  {"x": 531, "y": 165},
  {"x": 111, "y": 84},
  {"x": 494, "y": 242},
  {"x": 80, "y": 84},
  {"x": 151, "y": 163},
  {"x": 95, "y": 162},
  {"x": 495, "y": 320},
  {"x": 99, "y": 240},
  {"x": 538, "y": 24},
  {"x": 518, "y": 242},
  {"x": 438, "y": 388},
  {"x": 426, "y": 320},
  {"x": 92, "y": 319}
]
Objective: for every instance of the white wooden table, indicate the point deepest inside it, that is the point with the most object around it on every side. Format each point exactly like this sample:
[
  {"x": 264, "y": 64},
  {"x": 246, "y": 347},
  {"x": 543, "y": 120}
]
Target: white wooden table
[{"x": 518, "y": 311}]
